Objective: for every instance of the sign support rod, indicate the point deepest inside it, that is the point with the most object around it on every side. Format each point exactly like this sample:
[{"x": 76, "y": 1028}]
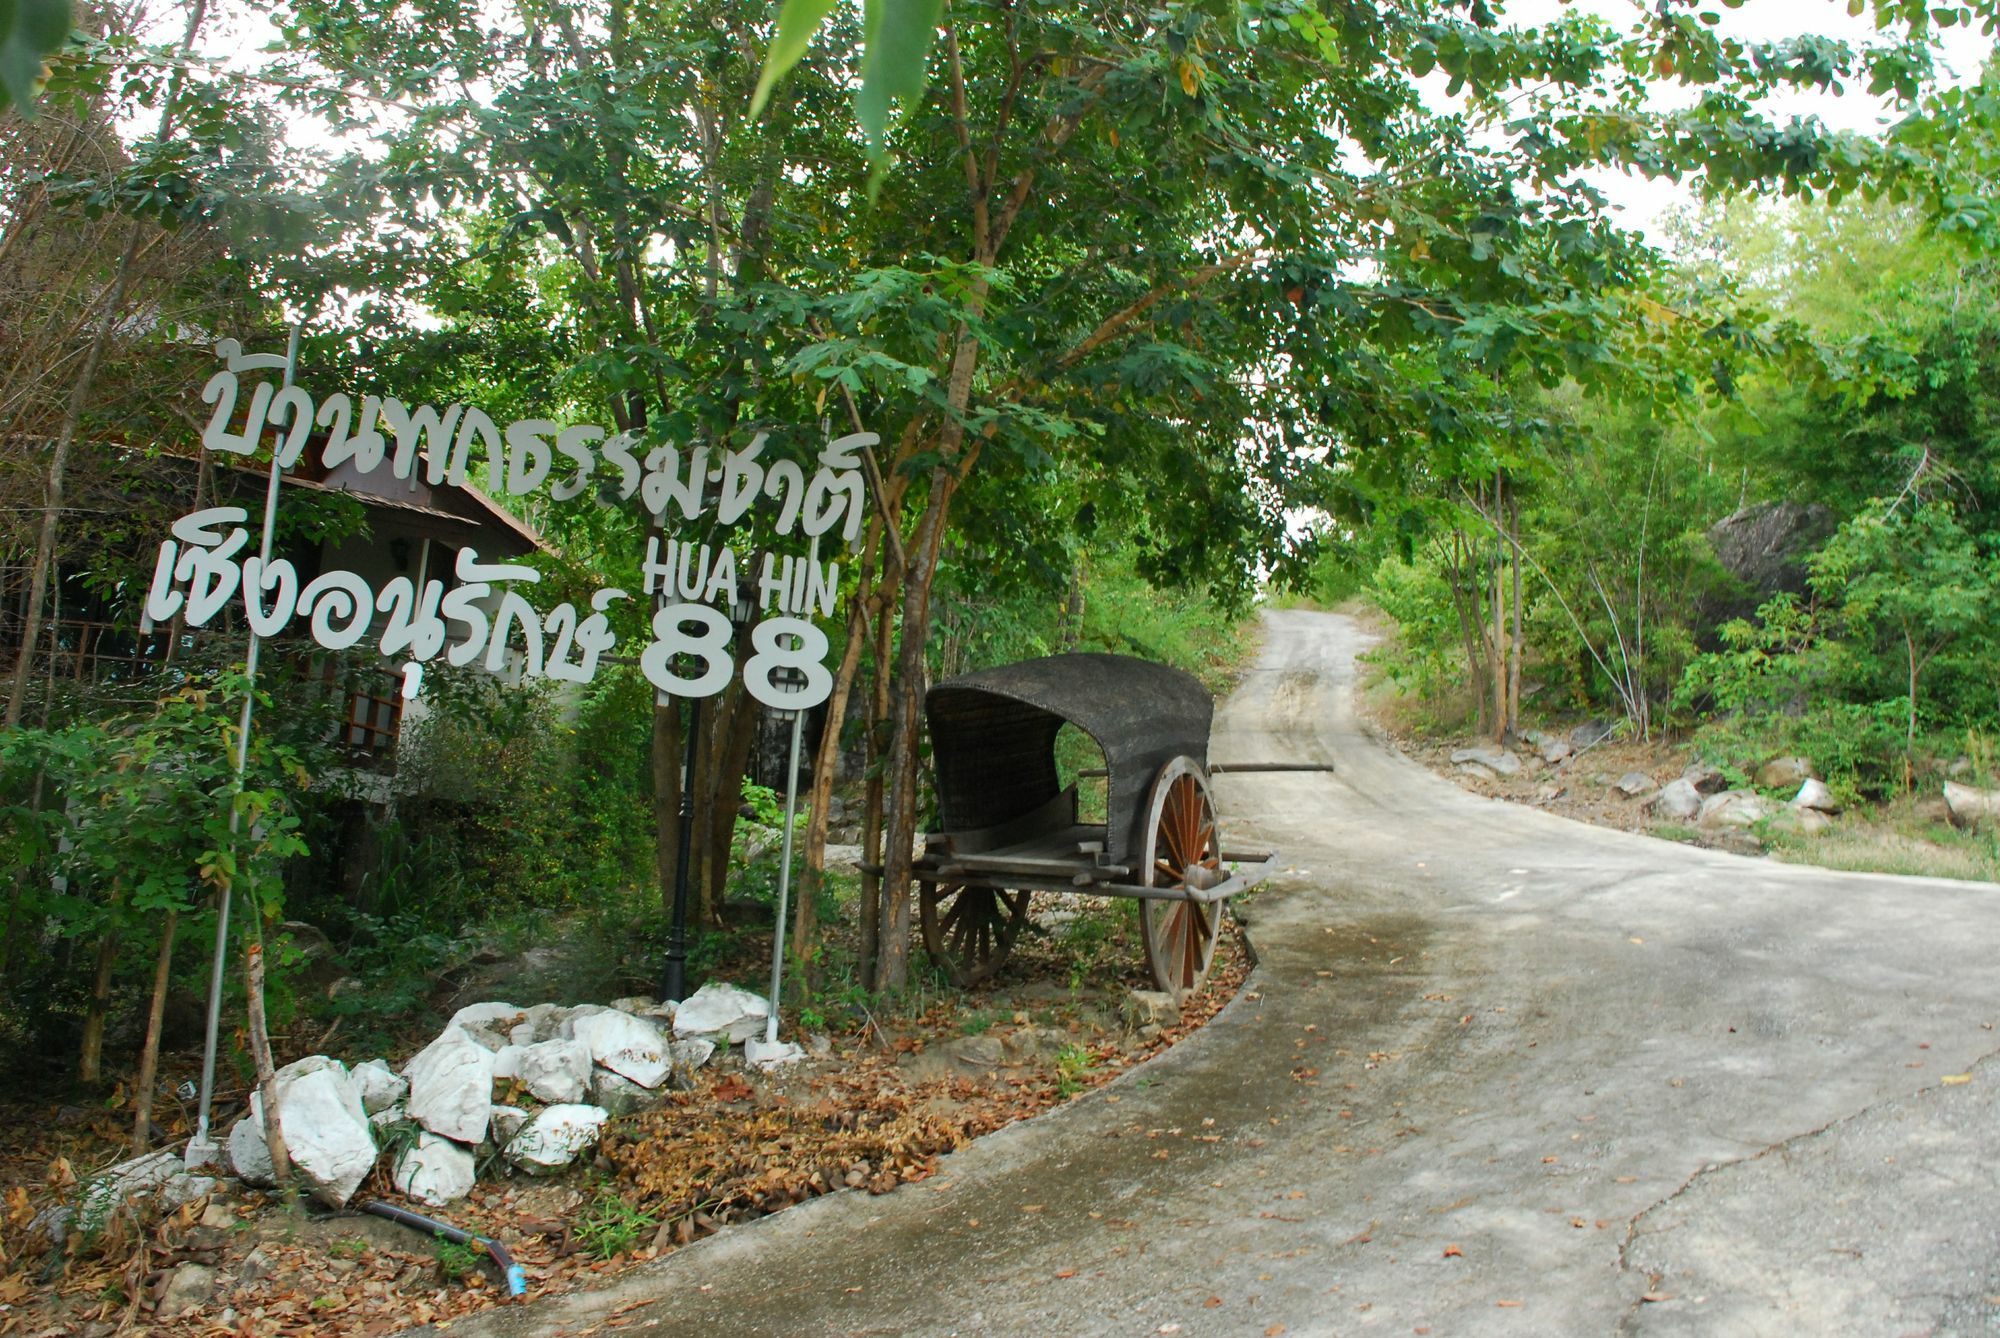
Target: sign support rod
[{"x": 202, "y": 1148}]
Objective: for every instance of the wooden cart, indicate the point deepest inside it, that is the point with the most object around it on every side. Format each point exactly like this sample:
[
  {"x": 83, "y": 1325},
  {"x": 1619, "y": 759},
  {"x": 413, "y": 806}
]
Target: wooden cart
[{"x": 1010, "y": 828}]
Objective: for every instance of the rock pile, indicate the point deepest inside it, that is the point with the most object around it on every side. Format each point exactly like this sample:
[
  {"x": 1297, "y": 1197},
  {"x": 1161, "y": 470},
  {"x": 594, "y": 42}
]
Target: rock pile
[{"x": 562, "y": 1073}]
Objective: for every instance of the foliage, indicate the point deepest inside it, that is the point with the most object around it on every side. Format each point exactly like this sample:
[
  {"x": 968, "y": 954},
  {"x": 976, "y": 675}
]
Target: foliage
[
  {"x": 29, "y": 30},
  {"x": 610, "y": 1226}
]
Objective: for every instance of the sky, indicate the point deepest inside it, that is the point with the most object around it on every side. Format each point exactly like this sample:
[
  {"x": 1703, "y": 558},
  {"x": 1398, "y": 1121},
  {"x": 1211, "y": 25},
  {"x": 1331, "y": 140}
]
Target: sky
[{"x": 1646, "y": 205}]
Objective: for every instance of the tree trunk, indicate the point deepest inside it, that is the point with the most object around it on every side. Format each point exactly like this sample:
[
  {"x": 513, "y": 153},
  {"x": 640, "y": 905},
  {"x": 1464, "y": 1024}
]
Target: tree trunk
[
  {"x": 1496, "y": 645},
  {"x": 90, "y": 1051},
  {"x": 260, "y": 1044},
  {"x": 805, "y": 913},
  {"x": 1519, "y": 644},
  {"x": 873, "y": 851},
  {"x": 149, "y": 1057},
  {"x": 1910, "y": 732}
]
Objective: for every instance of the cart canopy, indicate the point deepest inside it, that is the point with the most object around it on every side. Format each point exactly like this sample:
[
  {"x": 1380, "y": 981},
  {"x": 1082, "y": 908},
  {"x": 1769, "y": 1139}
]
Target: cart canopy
[{"x": 993, "y": 737}]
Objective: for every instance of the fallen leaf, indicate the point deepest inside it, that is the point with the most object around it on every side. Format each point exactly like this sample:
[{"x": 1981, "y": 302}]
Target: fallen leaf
[
  {"x": 1453, "y": 1252},
  {"x": 1066, "y": 1273},
  {"x": 1274, "y": 1330},
  {"x": 1211, "y": 1303},
  {"x": 1511, "y": 1305},
  {"x": 1657, "y": 1296},
  {"x": 1955, "y": 1079}
]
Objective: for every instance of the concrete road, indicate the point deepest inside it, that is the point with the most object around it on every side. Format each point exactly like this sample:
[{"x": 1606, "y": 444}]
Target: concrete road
[{"x": 1497, "y": 1073}]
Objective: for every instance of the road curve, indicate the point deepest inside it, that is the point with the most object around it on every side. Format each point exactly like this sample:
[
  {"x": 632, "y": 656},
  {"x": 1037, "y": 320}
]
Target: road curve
[{"x": 1496, "y": 1073}]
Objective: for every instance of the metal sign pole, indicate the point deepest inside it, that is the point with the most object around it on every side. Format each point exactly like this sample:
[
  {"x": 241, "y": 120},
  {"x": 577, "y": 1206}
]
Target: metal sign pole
[
  {"x": 784, "y": 879},
  {"x": 202, "y": 1149}
]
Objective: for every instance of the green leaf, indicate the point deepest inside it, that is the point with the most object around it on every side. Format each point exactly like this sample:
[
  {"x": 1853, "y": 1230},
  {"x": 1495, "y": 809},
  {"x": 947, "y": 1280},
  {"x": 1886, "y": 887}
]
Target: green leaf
[
  {"x": 798, "y": 20},
  {"x": 898, "y": 34},
  {"x": 29, "y": 30}
]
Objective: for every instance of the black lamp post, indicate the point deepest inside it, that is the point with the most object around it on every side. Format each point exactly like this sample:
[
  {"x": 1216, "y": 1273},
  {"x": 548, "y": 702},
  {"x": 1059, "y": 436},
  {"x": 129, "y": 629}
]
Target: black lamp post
[{"x": 673, "y": 985}]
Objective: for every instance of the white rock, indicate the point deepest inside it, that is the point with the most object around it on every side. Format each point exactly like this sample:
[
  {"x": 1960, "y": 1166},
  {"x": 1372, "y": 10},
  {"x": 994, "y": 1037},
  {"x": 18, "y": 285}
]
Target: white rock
[
  {"x": 691, "y": 1054},
  {"x": 506, "y": 1122},
  {"x": 451, "y": 1086},
  {"x": 553, "y": 1138},
  {"x": 1814, "y": 795},
  {"x": 380, "y": 1086},
  {"x": 1679, "y": 799},
  {"x": 383, "y": 1120},
  {"x": 326, "y": 1130},
  {"x": 557, "y": 1071},
  {"x": 185, "y": 1189},
  {"x": 1732, "y": 808},
  {"x": 1970, "y": 807},
  {"x": 507, "y": 1061},
  {"x": 622, "y": 1096},
  {"x": 717, "y": 1010},
  {"x": 1633, "y": 784},
  {"x": 249, "y": 1158},
  {"x": 567, "y": 1023},
  {"x": 434, "y": 1170},
  {"x": 539, "y": 1022},
  {"x": 485, "y": 1014},
  {"x": 759, "y": 1053},
  {"x": 626, "y": 1045},
  {"x": 106, "y": 1193}
]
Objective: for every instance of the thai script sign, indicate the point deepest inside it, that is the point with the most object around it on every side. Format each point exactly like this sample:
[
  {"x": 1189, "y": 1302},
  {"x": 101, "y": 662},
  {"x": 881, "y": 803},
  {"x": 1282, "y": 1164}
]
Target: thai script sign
[{"x": 485, "y": 616}]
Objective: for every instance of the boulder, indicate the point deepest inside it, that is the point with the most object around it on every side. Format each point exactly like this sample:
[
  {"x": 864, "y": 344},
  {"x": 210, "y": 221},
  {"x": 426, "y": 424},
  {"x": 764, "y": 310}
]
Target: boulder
[
  {"x": 1705, "y": 778},
  {"x": 538, "y": 1023},
  {"x": 1633, "y": 784},
  {"x": 1782, "y": 773},
  {"x": 128, "y": 1180},
  {"x": 1732, "y": 808},
  {"x": 1496, "y": 760},
  {"x": 557, "y": 1071},
  {"x": 1591, "y": 733},
  {"x": 184, "y": 1189},
  {"x": 1814, "y": 795},
  {"x": 553, "y": 1138},
  {"x": 487, "y": 1023},
  {"x": 1803, "y": 821},
  {"x": 567, "y": 1023},
  {"x": 1678, "y": 800},
  {"x": 249, "y": 1158},
  {"x": 506, "y": 1121},
  {"x": 1969, "y": 807},
  {"x": 983, "y": 1051},
  {"x": 434, "y": 1170},
  {"x": 723, "y": 1012},
  {"x": 622, "y": 1096},
  {"x": 1765, "y": 546},
  {"x": 451, "y": 1086},
  {"x": 326, "y": 1130},
  {"x": 1157, "y": 1007},
  {"x": 379, "y": 1085},
  {"x": 631, "y": 1046},
  {"x": 507, "y": 1061},
  {"x": 189, "y": 1287},
  {"x": 1557, "y": 751},
  {"x": 690, "y": 1055},
  {"x": 638, "y": 1005}
]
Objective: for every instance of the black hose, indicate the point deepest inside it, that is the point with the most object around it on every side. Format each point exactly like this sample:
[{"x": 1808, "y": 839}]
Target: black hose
[{"x": 517, "y": 1279}]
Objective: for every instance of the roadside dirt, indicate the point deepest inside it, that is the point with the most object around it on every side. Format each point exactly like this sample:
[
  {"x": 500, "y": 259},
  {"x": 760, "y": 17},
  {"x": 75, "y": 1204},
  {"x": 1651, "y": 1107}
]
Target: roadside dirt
[{"x": 873, "y": 1107}]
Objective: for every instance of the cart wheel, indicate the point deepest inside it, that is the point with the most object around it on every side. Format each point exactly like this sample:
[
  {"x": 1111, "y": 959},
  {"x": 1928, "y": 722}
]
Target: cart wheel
[
  {"x": 1183, "y": 849},
  {"x": 970, "y": 930}
]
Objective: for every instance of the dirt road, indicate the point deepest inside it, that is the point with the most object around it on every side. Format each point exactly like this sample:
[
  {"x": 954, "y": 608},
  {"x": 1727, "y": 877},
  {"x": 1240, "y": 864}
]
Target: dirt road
[{"x": 1497, "y": 1073}]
